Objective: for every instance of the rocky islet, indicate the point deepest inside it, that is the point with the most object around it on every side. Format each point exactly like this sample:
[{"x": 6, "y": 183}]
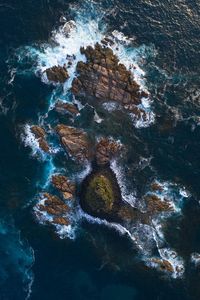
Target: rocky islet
[{"x": 100, "y": 79}]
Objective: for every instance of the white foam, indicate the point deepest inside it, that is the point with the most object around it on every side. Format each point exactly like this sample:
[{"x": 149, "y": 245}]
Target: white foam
[
  {"x": 29, "y": 140},
  {"x": 146, "y": 119},
  {"x": 30, "y": 276},
  {"x": 111, "y": 106},
  {"x": 195, "y": 259},
  {"x": 126, "y": 195},
  {"x": 118, "y": 227},
  {"x": 87, "y": 168},
  {"x": 175, "y": 260},
  {"x": 97, "y": 119},
  {"x": 66, "y": 231}
]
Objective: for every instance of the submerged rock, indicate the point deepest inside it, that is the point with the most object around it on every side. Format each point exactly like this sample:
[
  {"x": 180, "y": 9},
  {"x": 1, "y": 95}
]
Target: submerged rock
[
  {"x": 63, "y": 184},
  {"x": 40, "y": 135},
  {"x": 75, "y": 141},
  {"x": 57, "y": 74},
  {"x": 102, "y": 77}
]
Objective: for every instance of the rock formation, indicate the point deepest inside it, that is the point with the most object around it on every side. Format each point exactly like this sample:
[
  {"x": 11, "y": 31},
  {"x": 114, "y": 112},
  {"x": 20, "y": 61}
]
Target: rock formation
[
  {"x": 101, "y": 197},
  {"x": 66, "y": 108},
  {"x": 55, "y": 207},
  {"x": 163, "y": 265},
  {"x": 57, "y": 74},
  {"x": 74, "y": 141},
  {"x": 105, "y": 150},
  {"x": 63, "y": 184},
  {"x": 40, "y": 135},
  {"x": 102, "y": 77},
  {"x": 156, "y": 205}
]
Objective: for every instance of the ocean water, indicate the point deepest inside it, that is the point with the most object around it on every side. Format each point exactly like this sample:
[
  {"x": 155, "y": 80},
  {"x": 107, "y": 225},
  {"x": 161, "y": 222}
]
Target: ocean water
[{"x": 94, "y": 259}]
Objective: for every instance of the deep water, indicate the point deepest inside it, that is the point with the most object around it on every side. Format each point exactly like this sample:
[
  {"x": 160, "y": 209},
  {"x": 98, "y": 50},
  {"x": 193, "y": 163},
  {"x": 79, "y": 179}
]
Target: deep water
[{"x": 35, "y": 263}]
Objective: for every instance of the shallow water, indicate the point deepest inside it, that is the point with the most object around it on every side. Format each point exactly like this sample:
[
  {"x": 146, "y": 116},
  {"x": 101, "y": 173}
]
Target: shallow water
[{"x": 100, "y": 261}]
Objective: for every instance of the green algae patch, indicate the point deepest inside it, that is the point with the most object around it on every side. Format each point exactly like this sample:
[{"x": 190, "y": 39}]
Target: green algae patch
[{"x": 100, "y": 195}]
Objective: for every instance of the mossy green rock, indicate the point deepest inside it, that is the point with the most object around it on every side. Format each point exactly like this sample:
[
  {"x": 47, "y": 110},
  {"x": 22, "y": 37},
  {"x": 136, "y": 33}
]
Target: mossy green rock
[{"x": 99, "y": 194}]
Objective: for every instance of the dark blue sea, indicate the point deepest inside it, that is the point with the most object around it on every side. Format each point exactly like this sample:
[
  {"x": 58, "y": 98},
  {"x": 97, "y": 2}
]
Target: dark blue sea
[{"x": 94, "y": 260}]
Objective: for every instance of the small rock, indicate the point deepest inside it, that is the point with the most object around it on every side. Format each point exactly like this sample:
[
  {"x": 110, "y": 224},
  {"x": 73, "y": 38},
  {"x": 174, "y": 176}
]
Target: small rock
[
  {"x": 64, "y": 185},
  {"x": 57, "y": 74},
  {"x": 40, "y": 135},
  {"x": 105, "y": 150},
  {"x": 65, "y": 108},
  {"x": 74, "y": 141}
]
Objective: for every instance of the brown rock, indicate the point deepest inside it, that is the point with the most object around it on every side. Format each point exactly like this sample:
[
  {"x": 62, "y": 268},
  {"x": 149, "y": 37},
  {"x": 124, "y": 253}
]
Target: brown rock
[
  {"x": 156, "y": 187},
  {"x": 61, "y": 221},
  {"x": 105, "y": 150},
  {"x": 40, "y": 135},
  {"x": 53, "y": 205},
  {"x": 156, "y": 205},
  {"x": 164, "y": 265},
  {"x": 57, "y": 74},
  {"x": 103, "y": 78},
  {"x": 64, "y": 108},
  {"x": 64, "y": 185},
  {"x": 74, "y": 141}
]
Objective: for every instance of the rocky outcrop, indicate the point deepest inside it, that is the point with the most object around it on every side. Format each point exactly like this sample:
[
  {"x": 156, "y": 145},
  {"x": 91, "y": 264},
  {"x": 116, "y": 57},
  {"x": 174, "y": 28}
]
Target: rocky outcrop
[
  {"x": 63, "y": 184},
  {"x": 74, "y": 141},
  {"x": 53, "y": 205},
  {"x": 100, "y": 196},
  {"x": 57, "y": 74},
  {"x": 156, "y": 205},
  {"x": 105, "y": 150},
  {"x": 40, "y": 135},
  {"x": 66, "y": 108},
  {"x": 102, "y": 77},
  {"x": 163, "y": 265},
  {"x": 156, "y": 187},
  {"x": 61, "y": 221}
]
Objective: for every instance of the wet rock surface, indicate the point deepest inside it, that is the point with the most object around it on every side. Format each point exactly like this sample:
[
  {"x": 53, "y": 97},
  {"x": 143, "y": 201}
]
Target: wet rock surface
[
  {"x": 163, "y": 265},
  {"x": 156, "y": 205},
  {"x": 57, "y": 74},
  {"x": 105, "y": 150},
  {"x": 66, "y": 108},
  {"x": 64, "y": 185},
  {"x": 40, "y": 135},
  {"x": 74, "y": 141},
  {"x": 53, "y": 205},
  {"x": 102, "y": 77}
]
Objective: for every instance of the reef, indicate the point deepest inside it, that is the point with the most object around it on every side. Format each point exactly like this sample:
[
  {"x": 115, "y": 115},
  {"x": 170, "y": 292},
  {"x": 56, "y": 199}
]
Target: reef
[
  {"x": 99, "y": 79},
  {"x": 102, "y": 77}
]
